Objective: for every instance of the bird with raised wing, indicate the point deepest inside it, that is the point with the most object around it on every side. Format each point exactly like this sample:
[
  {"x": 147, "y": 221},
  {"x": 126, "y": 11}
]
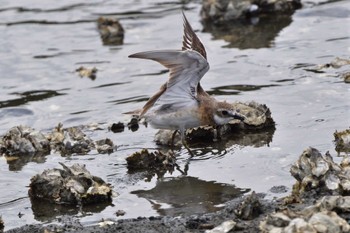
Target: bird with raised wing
[{"x": 181, "y": 103}]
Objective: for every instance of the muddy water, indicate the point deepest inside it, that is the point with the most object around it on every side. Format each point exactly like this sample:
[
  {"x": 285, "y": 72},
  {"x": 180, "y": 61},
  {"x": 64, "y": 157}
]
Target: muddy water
[{"x": 42, "y": 43}]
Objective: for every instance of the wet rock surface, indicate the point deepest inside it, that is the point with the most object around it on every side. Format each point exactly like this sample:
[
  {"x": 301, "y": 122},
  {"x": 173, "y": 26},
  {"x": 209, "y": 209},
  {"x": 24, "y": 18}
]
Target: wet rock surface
[{"x": 71, "y": 186}]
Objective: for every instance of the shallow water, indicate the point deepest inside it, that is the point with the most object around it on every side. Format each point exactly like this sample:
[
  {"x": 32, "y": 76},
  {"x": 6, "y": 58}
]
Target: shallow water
[{"x": 44, "y": 42}]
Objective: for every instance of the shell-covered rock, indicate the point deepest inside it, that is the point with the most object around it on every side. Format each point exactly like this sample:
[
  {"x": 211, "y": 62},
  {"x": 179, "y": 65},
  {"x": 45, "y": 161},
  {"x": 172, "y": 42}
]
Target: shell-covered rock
[
  {"x": 22, "y": 140},
  {"x": 145, "y": 159},
  {"x": 70, "y": 140},
  {"x": 321, "y": 217},
  {"x": 155, "y": 162},
  {"x": 314, "y": 171},
  {"x": 111, "y": 31},
  {"x": 70, "y": 185},
  {"x": 342, "y": 141}
]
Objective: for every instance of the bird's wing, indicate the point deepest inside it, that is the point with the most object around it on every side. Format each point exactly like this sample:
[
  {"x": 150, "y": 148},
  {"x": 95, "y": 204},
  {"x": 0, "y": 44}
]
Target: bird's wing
[
  {"x": 190, "y": 40},
  {"x": 186, "y": 70}
]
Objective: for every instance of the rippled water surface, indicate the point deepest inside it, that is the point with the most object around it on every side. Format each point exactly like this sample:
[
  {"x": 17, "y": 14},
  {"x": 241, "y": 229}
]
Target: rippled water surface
[{"x": 42, "y": 43}]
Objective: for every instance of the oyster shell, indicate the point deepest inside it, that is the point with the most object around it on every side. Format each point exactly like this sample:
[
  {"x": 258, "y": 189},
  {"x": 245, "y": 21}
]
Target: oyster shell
[{"x": 313, "y": 171}]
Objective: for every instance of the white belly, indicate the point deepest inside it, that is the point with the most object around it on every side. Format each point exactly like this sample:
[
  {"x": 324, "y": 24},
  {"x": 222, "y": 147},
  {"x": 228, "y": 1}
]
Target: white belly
[{"x": 182, "y": 119}]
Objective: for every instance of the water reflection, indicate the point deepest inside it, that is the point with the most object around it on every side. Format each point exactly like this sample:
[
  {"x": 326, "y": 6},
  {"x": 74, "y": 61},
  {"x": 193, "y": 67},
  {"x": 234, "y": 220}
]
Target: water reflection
[
  {"x": 29, "y": 96},
  {"x": 16, "y": 163},
  {"x": 259, "y": 33},
  {"x": 45, "y": 211},
  {"x": 189, "y": 195},
  {"x": 236, "y": 89},
  {"x": 254, "y": 138}
]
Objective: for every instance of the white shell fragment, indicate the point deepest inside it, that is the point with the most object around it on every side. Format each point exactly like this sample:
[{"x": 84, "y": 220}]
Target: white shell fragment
[{"x": 223, "y": 227}]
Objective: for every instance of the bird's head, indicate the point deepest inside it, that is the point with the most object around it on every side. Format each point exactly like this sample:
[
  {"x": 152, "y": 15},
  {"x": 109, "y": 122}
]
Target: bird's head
[{"x": 225, "y": 113}]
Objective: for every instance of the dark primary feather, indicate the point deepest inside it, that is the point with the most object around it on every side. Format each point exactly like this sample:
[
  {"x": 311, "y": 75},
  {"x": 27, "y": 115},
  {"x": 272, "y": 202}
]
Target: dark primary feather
[
  {"x": 190, "y": 42},
  {"x": 190, "y": 39}
]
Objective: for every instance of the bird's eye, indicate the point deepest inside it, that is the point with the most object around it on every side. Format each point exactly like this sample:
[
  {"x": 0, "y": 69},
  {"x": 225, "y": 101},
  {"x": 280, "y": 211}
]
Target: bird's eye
[{"x": 224, "y": 112}]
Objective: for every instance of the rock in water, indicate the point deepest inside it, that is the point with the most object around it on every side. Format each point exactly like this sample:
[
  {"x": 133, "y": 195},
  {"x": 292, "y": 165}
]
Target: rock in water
[
  {"x": 22, "y": 140},
  {"x": 70, "y": 185},
  {"x": 342, "y": 141},
  {"x": 314, "y": 171},
  {"x": 111, "y": 31}
]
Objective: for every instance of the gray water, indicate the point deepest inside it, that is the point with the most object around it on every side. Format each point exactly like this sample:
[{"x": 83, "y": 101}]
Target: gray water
[{"x": 42, "y": 43}]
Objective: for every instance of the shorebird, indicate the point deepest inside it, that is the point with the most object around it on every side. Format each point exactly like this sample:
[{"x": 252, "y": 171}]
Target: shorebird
[{"x": 181, "y": 103}]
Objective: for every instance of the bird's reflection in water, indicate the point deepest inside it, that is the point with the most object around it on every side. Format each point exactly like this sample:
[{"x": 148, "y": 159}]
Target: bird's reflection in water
[{"x": 187, "y": 195}]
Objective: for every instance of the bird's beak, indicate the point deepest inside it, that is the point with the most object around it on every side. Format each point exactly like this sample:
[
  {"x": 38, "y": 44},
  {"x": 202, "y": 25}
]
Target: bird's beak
[{"x": 237, "y": 116}]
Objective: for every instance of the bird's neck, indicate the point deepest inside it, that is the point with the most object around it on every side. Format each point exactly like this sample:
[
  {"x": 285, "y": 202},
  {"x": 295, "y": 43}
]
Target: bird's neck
[{"x": 207, "y": 108}]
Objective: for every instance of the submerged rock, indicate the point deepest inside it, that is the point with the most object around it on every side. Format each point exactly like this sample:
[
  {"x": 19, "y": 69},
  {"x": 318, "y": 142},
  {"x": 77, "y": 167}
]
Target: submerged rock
[
  {"x": 221, "y": 11},
  {"x": 23, "y": 140},
  {"x": 342, "y": 141},
  {"x": 87, "y": 72},
  {"x": 313, "y": 171},
  {"x": 111, "y": 31},
  {"x": 70, "y": 185},
  {"x": 336, "y": 63}
]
